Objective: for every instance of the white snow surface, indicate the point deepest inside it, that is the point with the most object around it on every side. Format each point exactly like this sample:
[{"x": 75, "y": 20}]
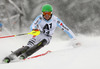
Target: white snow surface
[{"x": 63, "y": 55}]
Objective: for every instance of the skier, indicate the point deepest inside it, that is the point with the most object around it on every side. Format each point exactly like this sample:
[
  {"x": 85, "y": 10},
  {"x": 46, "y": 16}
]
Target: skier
[{"x": 46, "y": 23}]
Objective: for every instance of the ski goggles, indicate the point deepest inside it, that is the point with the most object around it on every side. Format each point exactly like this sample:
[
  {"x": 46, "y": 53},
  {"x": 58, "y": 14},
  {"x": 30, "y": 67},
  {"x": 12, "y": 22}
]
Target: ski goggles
[{"x": 49, "y": 13}]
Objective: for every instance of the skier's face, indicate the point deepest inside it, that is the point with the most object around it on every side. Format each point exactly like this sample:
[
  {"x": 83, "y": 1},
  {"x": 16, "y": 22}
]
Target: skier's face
[{"x": 47, "y": 15}]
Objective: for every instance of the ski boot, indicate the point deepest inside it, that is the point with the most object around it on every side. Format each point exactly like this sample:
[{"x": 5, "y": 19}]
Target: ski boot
[
  {"x": 14, "y": 55},
  {"x": 6, "y": 60},
  {"x": 22, "y": 57},
  {"x": 9, "y": 58}
]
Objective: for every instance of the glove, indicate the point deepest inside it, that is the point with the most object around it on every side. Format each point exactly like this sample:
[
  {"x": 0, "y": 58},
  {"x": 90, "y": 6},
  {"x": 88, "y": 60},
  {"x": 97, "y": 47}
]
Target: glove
[
  {"x": 76, "y": 43},
  {"x": 35, "y": 32}
]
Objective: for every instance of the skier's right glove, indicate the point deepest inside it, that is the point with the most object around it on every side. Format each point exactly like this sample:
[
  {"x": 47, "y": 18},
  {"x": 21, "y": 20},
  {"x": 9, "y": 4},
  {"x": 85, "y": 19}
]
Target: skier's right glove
[{"x": 35, "y": 32}]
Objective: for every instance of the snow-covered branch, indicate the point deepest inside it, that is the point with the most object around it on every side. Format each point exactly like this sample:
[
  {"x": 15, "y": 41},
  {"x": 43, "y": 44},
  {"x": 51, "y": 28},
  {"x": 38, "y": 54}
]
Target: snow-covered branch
[{"x": 19, "y": 10}]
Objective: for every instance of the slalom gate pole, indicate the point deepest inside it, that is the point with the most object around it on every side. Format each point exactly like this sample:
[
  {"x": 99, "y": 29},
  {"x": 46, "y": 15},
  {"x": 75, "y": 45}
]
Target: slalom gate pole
[{"x": 39, "y": 55}]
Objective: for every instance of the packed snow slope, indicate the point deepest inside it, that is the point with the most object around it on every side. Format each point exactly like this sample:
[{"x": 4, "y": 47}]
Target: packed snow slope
[{"x": 63, "y": 55}]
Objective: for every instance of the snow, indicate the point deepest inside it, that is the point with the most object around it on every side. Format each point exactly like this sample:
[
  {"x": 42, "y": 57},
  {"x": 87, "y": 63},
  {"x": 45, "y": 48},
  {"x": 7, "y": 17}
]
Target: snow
[{"x": 64, "y": 56}]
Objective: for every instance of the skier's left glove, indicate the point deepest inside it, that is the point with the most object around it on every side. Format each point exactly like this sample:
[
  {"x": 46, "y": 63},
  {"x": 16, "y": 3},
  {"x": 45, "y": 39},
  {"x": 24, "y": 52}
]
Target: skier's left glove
[{"x": 75, "y": 43}]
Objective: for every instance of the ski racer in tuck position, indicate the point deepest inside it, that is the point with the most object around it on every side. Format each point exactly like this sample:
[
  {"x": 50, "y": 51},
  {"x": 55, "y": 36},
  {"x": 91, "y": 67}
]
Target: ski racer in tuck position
[{"x": 46, "y": 23}]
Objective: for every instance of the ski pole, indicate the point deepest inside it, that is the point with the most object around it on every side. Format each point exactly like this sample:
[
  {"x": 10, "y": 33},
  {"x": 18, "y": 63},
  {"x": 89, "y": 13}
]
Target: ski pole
[{"x": 35, "y": 33}]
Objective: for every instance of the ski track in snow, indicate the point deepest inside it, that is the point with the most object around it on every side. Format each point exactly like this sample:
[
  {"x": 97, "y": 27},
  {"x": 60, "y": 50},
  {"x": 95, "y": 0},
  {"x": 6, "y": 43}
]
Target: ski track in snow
[{"x": 64, "y": 56}]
